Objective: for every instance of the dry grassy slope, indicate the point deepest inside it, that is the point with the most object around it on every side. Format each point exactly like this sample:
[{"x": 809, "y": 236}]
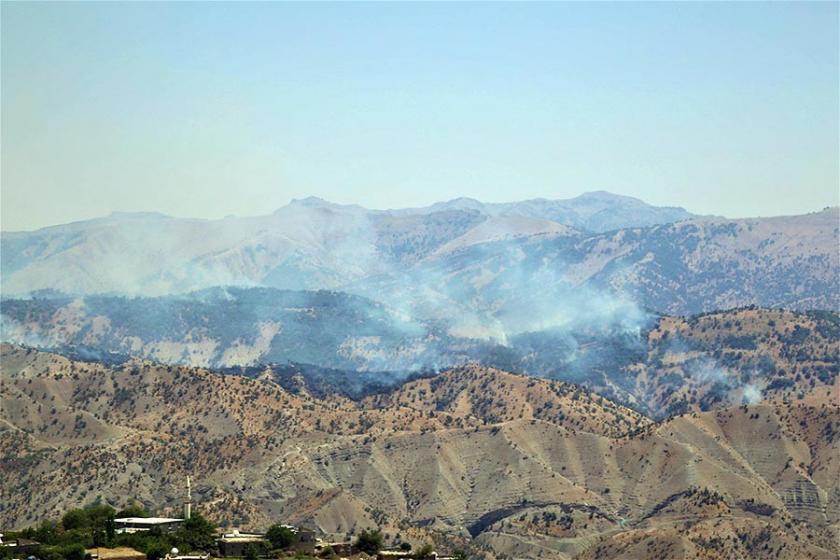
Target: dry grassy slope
[
  {"x": 87, "y": 430},
  {"x": 705, "y": 264},
  {"x": 772, "y": 475},
  {"x": 726, "y": 538},
  {"x": 494, "y": 396},
  {"x": 484, "y": 479},
  {"x": 257, "y": 452},
  {"x": 141, "y": 424},
  {"x": 706, "y": 361}
]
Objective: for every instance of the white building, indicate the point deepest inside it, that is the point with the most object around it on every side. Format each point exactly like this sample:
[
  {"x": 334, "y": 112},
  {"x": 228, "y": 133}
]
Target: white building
[{"x": 136, "y": 524}]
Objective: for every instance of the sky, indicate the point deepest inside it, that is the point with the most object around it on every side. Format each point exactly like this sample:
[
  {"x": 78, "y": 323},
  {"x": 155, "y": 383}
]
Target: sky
[{"x": 215, "y": 109}]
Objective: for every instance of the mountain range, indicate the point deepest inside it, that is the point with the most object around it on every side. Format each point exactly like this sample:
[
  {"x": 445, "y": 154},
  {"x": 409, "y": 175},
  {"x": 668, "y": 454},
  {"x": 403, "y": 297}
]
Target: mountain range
[
  {"x": 311, "y": 243},
  {"x": 481, "y": 259}
]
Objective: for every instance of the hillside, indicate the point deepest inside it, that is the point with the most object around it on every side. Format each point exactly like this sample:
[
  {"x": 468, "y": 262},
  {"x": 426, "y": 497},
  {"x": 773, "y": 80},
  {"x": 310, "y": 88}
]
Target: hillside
[
  {"x": 448, "y": 455},
  {"x": 494, "y": 397},
  {"x": 224, "y": 327},
  {"x": 534, "y": 282},
  {"x": 698, "y": 363},
  {"x": 186, "y": 417},
  {"x": 711, "y": 264},
  {"x": 743, "y": 355},
  {"x": 350, "y": 344}
]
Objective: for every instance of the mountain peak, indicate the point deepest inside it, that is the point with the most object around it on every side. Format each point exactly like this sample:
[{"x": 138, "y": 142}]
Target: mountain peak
[
  {"x": 601, "y": 194},
  {"x": 460, "y": 203},
  {"x": 312, "y": 201},
  {"x": 318, "y": 202}
]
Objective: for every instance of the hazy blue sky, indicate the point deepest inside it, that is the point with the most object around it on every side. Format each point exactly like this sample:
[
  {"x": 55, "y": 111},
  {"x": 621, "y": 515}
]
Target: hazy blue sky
[{"x": 197, "y": 109}]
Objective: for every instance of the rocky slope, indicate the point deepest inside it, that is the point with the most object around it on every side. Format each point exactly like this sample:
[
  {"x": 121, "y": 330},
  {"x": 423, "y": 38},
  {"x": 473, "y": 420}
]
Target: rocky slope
[{"x": 512, "y": 465}]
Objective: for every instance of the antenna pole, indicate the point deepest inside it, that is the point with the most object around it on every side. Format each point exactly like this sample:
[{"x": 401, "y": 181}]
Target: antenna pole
[{"x": 188, "y": 503}]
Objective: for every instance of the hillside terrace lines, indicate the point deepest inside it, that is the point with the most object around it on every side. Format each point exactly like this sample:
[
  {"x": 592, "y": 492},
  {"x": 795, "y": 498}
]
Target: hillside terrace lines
[{"x": 723, "y": 458}]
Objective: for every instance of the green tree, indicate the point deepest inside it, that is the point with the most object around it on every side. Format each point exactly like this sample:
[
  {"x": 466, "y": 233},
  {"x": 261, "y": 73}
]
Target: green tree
[
  {"x": 280, "y": 537},
  {"x": 102, "y": 525},
  {"x": 73, "y": 552},
  {"x": 98, "y": 514},
  {"x": 134, "y": 510},
  {"x": 110, "y": 528},
  {"x": 98, "y": 536},
  {"x": 75, "y": 519},
  {"x": 424, "y": 551},
  {"x": 133, "y": 540},
  {"x": 459, "y": 555},
  {"x": 197, "y": 533},
  {"x": 155, "y": 549},
  {"x": 369, "y": 541},
  {"x": 50, "y": 553},
  {"x": 45, "y": 533},
  {"x": 405, "y": 546},
  {"x": 73, "y": 536}
]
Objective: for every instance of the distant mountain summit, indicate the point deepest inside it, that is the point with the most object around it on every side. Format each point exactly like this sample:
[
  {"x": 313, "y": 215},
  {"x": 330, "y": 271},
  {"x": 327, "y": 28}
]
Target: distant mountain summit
[{"x": 596, "y": 211}]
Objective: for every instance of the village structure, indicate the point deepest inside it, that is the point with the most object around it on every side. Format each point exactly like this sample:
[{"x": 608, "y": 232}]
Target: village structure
[{"x": 231, "y": 544}]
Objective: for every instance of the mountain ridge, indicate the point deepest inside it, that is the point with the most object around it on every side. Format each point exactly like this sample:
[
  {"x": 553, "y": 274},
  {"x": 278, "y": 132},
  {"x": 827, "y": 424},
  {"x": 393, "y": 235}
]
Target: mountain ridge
[
  {"x": 459, "y": 203},
  {"x": 667, "y": 267}
]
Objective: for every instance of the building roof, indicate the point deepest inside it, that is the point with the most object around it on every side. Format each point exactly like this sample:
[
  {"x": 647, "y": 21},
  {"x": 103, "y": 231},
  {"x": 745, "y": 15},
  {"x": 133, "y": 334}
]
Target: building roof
[
  {"x": 17, "y": 541},
  {"x": 147, "y": 520},
  {"x": 241, "y": 538}
]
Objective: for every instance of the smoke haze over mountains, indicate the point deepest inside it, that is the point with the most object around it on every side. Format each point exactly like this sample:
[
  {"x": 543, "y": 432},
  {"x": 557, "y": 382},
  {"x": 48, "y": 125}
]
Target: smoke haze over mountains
[{"x": 526, "y": 287}]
